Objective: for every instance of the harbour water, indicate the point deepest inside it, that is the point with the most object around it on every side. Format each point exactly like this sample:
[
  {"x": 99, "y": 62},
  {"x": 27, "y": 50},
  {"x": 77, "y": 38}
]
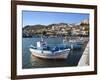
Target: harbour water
[{"x": 30, "y": 61}]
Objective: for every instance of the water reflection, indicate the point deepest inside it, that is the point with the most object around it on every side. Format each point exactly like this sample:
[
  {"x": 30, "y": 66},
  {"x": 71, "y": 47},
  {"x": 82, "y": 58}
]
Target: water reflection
[
  {"x": 72, "y": 60},
  {"x": 30, "y": 61}
]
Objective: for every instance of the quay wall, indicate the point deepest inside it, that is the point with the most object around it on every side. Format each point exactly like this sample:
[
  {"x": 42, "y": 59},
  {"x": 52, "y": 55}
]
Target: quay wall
[{"x": 84, "y": 60}]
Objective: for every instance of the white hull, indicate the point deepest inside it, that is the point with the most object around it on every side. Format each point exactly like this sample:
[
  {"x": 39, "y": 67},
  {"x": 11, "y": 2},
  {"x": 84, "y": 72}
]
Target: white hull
[{"x": 61, "y": 54}]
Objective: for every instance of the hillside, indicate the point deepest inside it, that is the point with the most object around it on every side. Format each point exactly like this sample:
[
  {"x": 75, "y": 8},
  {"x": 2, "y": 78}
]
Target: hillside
[{"x": 56, "y": 29}]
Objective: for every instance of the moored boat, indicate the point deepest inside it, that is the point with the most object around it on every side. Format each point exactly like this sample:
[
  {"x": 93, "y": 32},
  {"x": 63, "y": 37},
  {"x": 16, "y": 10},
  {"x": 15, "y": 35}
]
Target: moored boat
[
  {"x": 74, "y": 43},
  {"x": 42, "y": 50}
]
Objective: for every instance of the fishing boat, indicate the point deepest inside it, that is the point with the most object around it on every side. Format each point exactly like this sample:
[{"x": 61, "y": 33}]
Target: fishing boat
[
  {"x": 42, "y": 50},
  {"x": 74, "y": 43},
  {"x": 79, "y": 41}
]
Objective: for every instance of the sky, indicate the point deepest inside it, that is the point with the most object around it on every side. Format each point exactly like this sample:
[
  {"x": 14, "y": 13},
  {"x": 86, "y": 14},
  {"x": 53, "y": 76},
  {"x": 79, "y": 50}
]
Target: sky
[{"x": 46, "y": 18}]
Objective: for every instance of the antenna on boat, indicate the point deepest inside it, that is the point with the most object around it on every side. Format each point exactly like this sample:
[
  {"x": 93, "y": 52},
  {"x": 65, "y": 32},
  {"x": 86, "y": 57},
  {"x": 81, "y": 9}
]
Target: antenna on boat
[
  {"x": 42, "y": 38},
  {"x": 64, "y": 40}
]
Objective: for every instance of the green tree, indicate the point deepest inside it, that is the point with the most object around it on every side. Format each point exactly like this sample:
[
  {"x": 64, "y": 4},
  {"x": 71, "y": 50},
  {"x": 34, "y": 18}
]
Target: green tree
[{"x": 43, "y": 32}]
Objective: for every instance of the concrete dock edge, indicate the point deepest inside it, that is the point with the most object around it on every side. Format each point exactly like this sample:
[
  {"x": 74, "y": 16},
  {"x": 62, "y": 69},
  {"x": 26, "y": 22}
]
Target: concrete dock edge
[{"x": 84, "y": 60}]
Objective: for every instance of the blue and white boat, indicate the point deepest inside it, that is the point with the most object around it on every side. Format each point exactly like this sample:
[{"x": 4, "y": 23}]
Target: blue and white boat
[{"x": 42, "y": 50}]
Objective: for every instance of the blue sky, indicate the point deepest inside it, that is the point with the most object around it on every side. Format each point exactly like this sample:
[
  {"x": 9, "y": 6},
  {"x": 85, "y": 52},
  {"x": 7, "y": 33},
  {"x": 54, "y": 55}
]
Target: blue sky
[{"x": 46, "y": 18}]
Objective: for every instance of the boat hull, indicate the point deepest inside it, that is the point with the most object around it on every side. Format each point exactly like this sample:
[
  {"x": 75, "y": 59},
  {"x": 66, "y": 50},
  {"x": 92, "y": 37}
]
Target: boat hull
[{"x": 62, "y": 54}]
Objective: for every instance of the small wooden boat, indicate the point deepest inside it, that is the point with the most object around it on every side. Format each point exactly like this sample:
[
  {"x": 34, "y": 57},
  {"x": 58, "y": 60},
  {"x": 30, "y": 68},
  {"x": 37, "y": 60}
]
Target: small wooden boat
[{"x": 42, "y": 50}]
